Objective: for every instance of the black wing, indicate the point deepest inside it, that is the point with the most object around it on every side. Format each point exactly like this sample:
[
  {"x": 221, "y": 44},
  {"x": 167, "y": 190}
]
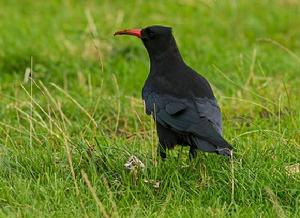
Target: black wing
[{"x": 200, "y": 117}]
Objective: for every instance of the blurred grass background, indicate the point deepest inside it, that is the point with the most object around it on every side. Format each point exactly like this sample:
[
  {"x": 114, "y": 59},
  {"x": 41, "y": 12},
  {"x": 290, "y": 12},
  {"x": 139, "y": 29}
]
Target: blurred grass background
[{"x": 83, "y": 112}]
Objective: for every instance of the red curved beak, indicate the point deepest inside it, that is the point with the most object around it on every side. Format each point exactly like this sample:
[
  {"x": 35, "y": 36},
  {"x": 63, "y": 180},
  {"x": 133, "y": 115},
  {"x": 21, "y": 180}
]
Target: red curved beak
[{"x": 133, "y": 32}]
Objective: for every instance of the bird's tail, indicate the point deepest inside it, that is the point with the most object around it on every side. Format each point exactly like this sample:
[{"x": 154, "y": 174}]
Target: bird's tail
[
  {"x": 209, "y": 147},
  {"x": 225, "y": 152}
]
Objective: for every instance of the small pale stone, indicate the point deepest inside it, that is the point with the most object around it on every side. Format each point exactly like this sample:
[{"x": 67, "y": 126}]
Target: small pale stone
[
  {"x": 133, "y": 163},
  {"x": 27, "y": 75},
  {"x": 154, "y": 183},
  {"x": 293, "y": 169}
]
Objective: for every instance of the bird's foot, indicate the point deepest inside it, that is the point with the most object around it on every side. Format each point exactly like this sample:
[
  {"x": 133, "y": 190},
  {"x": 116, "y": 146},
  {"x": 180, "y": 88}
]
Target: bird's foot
[
  {"x": 161, "y": 150},
  {"x": 192, "y": 153}
]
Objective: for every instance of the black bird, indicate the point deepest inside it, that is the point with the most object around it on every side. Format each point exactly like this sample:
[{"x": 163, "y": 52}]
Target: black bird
[{"x": 180, "y": 100}]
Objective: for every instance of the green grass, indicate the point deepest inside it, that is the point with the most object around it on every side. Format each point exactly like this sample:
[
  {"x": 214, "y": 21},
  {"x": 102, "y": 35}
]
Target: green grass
[{"x": 84, "y": 114}]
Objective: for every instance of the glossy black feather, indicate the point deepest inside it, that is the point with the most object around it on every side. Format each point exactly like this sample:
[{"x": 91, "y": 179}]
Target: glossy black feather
[
  {"x": 194, "y": 120},
  {"x": 180, "y": 100}
]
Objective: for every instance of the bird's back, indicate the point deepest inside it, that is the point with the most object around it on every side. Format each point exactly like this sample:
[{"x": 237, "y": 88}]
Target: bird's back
[{"x": 180, "y": 81}]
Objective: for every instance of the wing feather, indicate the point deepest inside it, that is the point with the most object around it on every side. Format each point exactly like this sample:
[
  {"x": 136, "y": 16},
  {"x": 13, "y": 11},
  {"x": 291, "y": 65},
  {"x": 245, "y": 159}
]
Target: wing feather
[{"x": 200, "y": 117}]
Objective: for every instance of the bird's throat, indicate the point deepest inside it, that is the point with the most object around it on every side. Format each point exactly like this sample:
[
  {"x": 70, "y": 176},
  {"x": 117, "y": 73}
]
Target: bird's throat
[{"x": 170, "y": 56}]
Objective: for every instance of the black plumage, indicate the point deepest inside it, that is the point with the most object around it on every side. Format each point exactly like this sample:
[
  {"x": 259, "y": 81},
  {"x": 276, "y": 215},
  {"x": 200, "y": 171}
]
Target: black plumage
[{"x": 180, "y": 100}]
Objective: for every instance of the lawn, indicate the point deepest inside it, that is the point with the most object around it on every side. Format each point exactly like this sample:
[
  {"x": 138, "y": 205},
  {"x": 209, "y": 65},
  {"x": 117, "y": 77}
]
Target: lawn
[{"x": 66, "y": 134}]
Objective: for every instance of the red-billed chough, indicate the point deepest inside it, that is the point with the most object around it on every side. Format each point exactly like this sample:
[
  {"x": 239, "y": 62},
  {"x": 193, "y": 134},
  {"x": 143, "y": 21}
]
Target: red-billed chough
[{"x": 180, "y": 100}]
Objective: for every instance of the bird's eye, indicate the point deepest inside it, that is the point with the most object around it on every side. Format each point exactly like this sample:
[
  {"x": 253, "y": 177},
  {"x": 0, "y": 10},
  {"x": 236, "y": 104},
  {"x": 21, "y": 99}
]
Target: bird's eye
[{"x": 151, "y": 34}]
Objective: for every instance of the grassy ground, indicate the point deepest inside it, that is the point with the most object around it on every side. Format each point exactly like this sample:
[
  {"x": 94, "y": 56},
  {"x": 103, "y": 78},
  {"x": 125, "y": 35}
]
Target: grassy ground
[{"x": 65, "y": 136}]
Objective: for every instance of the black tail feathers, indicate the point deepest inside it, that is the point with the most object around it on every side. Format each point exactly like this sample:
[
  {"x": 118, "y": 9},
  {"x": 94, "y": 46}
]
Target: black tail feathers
[
  {"x": 208, "y": 147},
  {"x": 225, "y": 152}
]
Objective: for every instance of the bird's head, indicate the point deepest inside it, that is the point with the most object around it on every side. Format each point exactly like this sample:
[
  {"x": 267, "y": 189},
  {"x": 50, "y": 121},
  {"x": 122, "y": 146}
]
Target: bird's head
[{"x": 157, "y": 39}]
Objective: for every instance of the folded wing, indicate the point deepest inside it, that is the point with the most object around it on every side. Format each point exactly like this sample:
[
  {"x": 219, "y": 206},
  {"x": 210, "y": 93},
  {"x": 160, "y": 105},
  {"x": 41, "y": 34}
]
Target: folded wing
[{"x": 198, "y": 117}]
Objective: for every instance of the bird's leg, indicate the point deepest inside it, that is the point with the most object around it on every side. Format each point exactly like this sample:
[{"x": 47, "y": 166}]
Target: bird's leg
[
  {"x": 193, "y": 152},
  {"x": 161, "y": 150}
]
